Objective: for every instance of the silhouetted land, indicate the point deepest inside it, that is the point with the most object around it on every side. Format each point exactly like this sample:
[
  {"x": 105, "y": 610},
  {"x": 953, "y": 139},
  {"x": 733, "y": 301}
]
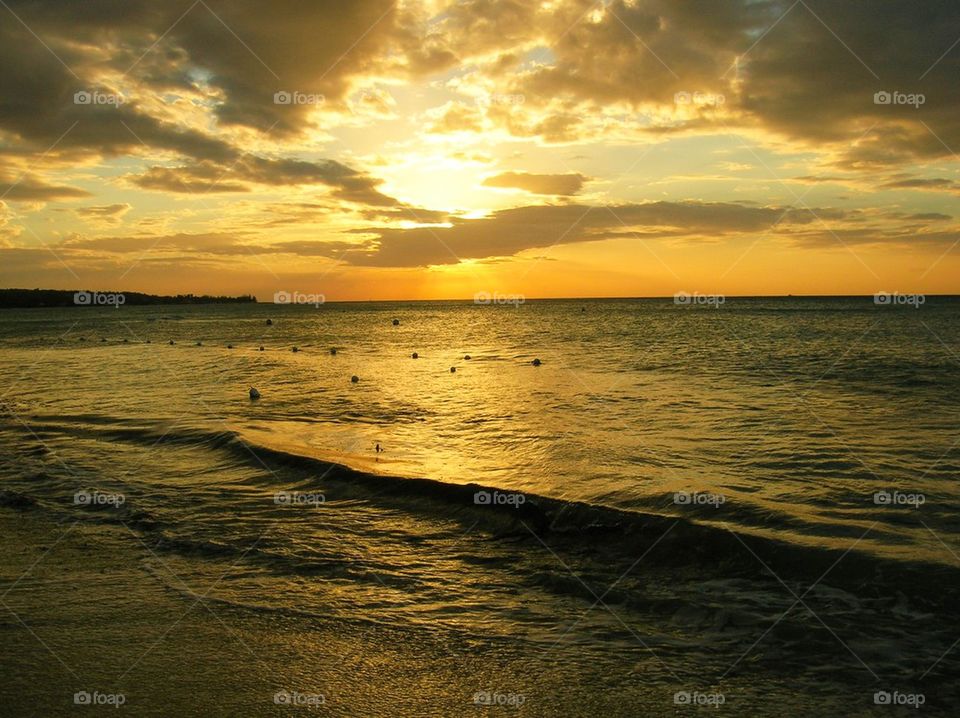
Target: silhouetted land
[{"x": 26, "y": 298}]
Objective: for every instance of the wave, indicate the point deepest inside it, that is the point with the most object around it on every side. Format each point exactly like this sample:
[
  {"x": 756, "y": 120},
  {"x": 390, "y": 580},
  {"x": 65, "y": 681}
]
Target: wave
[
  {"x": 673, "y": 541},
  {"x": 679, "y": 543}
]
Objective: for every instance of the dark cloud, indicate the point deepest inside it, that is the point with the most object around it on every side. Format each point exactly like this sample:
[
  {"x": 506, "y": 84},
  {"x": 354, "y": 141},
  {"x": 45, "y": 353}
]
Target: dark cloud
[
  {"x": 509, "y": 231},
  {"x": 205, "y": 177},
  {"x": 933, "y": 183},
  {"x": 32, "y": 189},
  {"x": 202, "y": 178},
  {"x": 929, "y": 217},
  {"x": 237, "y": 46},
  {"x": 217, "y": 243},
  {"x": 39, "y": 106},
  {"x": 808, "y": 71},
  {"x": 904, "y": 237}
]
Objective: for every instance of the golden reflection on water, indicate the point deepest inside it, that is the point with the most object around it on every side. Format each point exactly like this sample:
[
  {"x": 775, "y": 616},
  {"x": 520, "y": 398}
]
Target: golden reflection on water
[{"x": 633, "y": 403}]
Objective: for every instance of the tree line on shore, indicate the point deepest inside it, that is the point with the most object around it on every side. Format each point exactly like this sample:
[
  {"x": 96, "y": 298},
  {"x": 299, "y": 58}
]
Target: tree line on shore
[{"x": 28, "y": 298}]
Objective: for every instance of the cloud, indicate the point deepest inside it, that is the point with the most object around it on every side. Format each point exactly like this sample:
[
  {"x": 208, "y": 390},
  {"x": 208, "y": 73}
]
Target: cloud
[
  {"x": 932, "y": 183},
  {"x": 929, "y": 217},
  {"x": 31, "y": 189},
  {"x": 507, "y": 232},
  {"x": 805, "y": 71},
  {"x": 108, "y": 210},
  {"x": 200, "y": 179},
  {"x": 569, "y": 60},
  {"x": 455, "y": 117},
  {"x": 7, "y": 232},
  {"x": 237, "y": 58},
  {"x": 906, "y": 237},
  {"x": 243, "y": 50},
  {"x": 216, "y": 243},
  {"x": 206, "y": 177},
  {"x": 193, "y": 112},
  {"x": 106, "y": 214},
  {"x": 558, "y": 184}
]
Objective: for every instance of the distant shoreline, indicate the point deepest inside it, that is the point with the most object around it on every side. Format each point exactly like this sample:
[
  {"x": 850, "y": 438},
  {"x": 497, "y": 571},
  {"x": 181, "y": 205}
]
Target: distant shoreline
[
  {"x": 62, "y": 298},
  {"x": 59, "y": 298}
]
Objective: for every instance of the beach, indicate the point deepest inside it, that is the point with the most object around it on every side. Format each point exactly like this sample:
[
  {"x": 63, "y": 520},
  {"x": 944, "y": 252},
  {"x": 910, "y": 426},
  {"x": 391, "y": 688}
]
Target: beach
[{"x": 92, "y": 609}]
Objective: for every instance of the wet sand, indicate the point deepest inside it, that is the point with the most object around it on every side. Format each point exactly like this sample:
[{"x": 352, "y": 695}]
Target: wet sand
[
  {"x": 86, "y": 611},
  {"x": 85, "y": 614}
]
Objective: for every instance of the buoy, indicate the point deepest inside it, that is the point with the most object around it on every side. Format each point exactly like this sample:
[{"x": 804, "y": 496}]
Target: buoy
[
  {"x": 396, "y": 322},
  {"x": 254, "y": 394},
  {"x": 467, "y": 357},
  {"x": 379, "y": 449},
  {"x": 126, "y": 341},
  {"x": 414, "y": 356},
  {"x": 269, "y": 322},
  {"x": 148, "y": 341},
  {"x": 354, "y": 379},
  {"x": 453, "y": 370},
  {"x": 333, "y": 351},
  {"x": 229, "y": 346},
  {"x": 82, "y": 339},
  {"x": 294, "y": 350},
  {"x": 199, "y": 344},
  {"x": 172, "y": 342},
  {"x": 536, "y": 362},
  {"x": 261, "y": 349},
  {"x": 103, "y": 339}
]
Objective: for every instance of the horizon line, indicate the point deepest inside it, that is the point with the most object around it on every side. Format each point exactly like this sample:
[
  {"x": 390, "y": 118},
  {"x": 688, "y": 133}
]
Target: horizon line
[{"x": 509, "y": 298}]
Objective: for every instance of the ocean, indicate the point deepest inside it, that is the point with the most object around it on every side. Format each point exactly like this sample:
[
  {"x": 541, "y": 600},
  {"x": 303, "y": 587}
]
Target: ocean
[{"x": 749, "y": 506}]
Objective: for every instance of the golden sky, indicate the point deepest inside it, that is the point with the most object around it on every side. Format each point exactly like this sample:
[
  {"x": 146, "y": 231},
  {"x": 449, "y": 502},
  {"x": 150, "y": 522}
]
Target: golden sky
[{"x": 409, "y": 150}]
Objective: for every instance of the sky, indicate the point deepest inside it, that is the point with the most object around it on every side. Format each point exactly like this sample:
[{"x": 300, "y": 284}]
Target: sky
[{"x": 431, "y": 149}]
